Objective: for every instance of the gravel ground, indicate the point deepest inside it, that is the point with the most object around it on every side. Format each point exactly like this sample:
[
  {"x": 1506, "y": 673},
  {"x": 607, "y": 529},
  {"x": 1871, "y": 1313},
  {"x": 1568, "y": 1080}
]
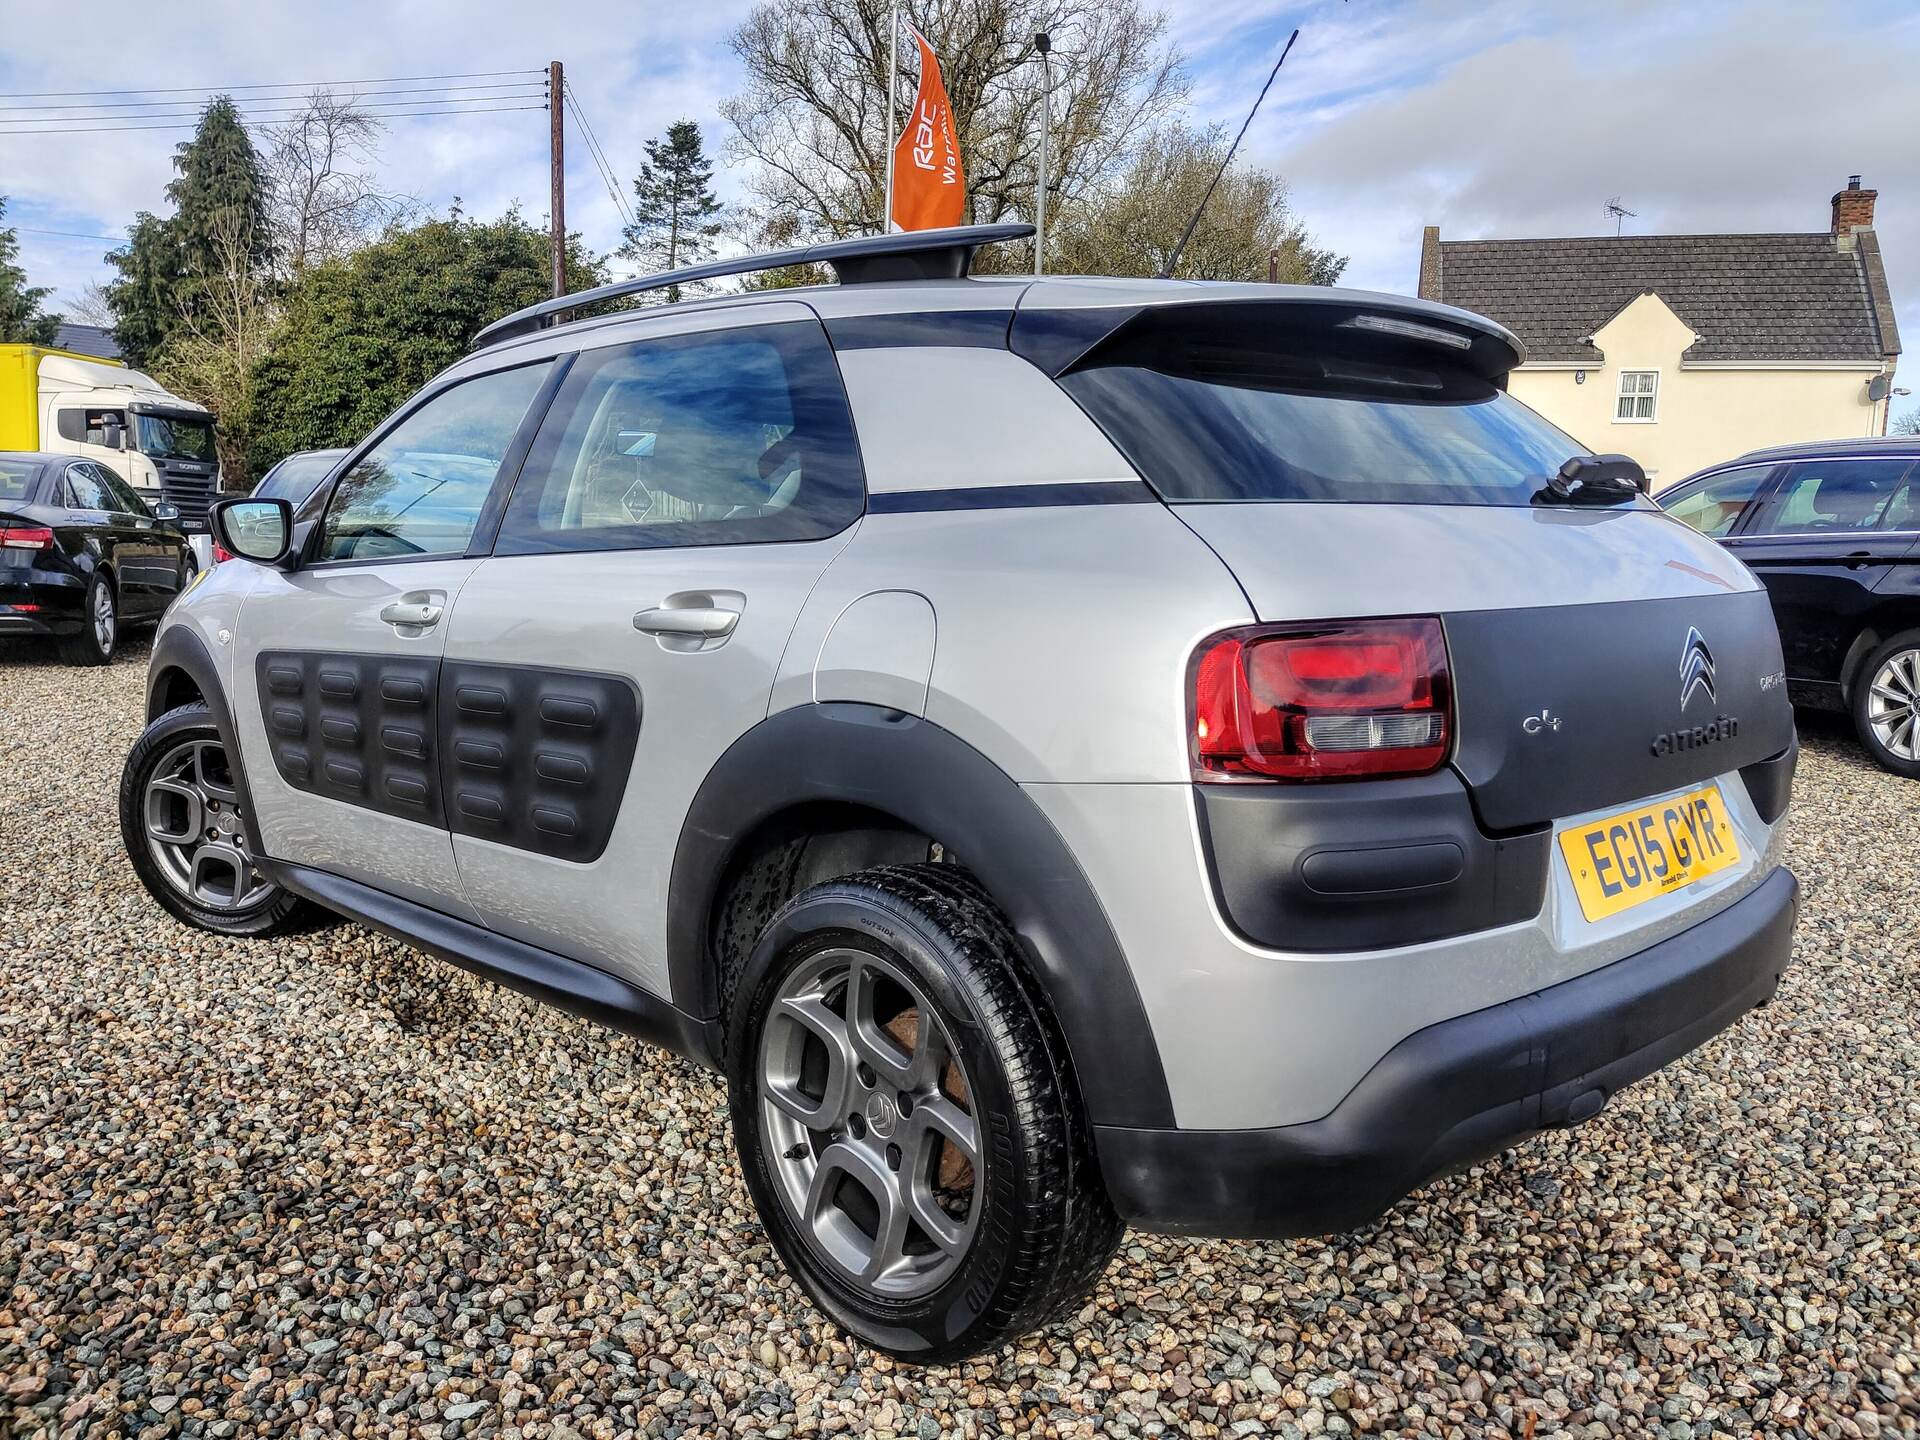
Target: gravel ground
[{"x": 329, "y": 1186}]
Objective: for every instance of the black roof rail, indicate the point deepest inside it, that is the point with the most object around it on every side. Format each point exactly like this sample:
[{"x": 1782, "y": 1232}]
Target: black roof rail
[{"x": 910, "y": 255}]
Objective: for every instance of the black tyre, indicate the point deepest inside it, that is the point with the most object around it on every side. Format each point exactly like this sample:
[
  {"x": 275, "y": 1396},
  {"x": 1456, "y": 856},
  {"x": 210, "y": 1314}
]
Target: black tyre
[
  {"x": 183, "y": 824},
  {"x": 1886, "y": 704},
  {"x": 907, "y": 1120},
  {"x": 99, "y": 634}
]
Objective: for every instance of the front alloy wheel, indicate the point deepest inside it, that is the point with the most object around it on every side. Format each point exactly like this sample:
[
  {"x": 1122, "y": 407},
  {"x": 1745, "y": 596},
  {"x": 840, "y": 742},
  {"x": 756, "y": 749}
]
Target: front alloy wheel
[
  {"x": 906, "y": 1116},
  {"x": 183, "y": 822}
]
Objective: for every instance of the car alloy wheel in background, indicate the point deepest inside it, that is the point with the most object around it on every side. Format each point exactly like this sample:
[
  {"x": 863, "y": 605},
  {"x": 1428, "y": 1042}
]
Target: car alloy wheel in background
[{"x": 1886, "y": 704}]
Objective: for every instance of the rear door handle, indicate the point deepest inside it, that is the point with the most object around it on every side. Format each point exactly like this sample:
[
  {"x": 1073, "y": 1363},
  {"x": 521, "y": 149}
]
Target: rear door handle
[
  {"x": 689, "y": 621},
  {"x": 422, "y": 614},
  {"x": 699, "y": 622},
  {"x": 1859, "y": 559}
]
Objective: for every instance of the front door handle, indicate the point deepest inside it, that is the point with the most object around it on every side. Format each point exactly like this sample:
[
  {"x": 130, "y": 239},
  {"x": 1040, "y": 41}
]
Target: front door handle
[
  {"x": 421, "y": 615},
  {"x": 1859, "y": 559},
  {"x": 699, "y": 622}
]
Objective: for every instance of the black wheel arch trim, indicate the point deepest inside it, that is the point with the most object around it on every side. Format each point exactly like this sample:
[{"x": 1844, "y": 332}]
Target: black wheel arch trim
[
  {"x": 925, "y": 776},
  {"x": 179, "y": 648}
]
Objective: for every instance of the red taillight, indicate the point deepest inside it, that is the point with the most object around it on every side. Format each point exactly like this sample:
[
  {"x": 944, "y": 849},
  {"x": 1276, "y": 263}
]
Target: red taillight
[
  {"x": 1323, "y": 701},
  {"x": 30, "y": 537},
  {"x": 221, "y": 555}
]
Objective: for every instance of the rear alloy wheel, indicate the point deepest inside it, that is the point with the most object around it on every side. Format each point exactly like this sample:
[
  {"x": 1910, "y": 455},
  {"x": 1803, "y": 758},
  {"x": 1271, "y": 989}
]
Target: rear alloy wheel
[
  {"x": 907, "y": 1120},
  {"x": 99, "y": 633},
  {"x": 183, "y": 822},
  {"x": 1886, "y": 705}
]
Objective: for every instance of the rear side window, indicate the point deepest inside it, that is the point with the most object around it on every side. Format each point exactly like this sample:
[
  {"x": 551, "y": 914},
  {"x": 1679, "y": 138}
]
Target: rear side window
[
  {"x": 1821, "y": 496},
  {"x": 715, "y": 438},
  {"x": 1236, "y": 406},
  {"x": 419, "y": 491},
  {"x": 87, "y": 489}
]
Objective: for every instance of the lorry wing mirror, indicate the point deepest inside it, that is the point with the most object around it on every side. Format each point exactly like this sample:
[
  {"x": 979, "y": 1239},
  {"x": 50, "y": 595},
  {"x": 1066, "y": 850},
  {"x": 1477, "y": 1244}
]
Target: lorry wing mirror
[
  {"x": 256, "y": 530},
  {"x": 112, "y": 436}
]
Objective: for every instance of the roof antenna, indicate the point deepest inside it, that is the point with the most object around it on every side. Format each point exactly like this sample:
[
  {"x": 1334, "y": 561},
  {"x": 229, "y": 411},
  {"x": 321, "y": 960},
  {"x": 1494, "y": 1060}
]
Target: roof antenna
[
  {"x": 1619, "y": 214},
  {"x": 1166, "y": 272}
]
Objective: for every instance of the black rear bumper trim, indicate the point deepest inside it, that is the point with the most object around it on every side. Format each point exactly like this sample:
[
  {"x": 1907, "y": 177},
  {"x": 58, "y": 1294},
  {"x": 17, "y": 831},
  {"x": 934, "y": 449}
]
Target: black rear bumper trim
[{"x": 1461, "y": 1089}]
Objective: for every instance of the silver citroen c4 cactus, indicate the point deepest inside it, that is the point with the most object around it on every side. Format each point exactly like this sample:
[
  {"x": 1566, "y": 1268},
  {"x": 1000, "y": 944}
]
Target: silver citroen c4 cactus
[{"x": 1075, "y": 753}]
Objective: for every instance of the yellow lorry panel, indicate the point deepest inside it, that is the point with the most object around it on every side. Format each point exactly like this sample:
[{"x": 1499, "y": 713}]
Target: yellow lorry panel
[{"x": 20, "y": 391}]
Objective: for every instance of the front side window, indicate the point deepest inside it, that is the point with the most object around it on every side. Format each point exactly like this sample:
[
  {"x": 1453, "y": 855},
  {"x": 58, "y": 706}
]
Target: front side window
[
  {"x": 1639, "y": 397},
  {"x": 1714, "y": 506},
  {"x": 173, "y": 437},
  {"x": 125, "y": 498},
  {"x": 419, "y": 491},
  {"x": 714, "y": 438},
  {"x": 1833, "y": 495}
]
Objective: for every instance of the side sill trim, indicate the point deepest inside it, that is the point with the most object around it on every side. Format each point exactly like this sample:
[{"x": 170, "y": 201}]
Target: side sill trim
[{"x": 553, "y": 979}]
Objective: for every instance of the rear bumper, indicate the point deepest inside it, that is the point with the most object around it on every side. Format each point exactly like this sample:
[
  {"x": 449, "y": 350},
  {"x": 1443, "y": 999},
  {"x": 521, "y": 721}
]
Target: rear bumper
[
  {"x": 1461, "y": 1089},
  {"x": 59, "y": 603}
]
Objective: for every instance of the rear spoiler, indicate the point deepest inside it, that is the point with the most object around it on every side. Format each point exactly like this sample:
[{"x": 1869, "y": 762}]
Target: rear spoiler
[{"x": 1057, "y": 338}]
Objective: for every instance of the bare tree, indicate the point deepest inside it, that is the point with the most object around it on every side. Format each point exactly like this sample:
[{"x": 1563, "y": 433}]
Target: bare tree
[
  {"x": 210, "y": 358},
  {"x": 320, "y": 163},
  {"x": 1129, "y": 225},
  {"x": 90, "y": 306},
  {"x": 812, "y": 119}
]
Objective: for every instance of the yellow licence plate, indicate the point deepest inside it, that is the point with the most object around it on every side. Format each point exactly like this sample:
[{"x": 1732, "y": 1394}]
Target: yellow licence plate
[{"x": 1627, "y": 859}]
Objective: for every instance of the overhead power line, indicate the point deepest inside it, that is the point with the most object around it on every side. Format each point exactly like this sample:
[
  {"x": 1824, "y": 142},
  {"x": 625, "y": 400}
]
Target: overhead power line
[
  {"x": 599, "y": 156},
  {"x": 287, "y": 93},
  {"x": 191, "y": 124},
  {"x": 278, "y": 85},
  {"x": 395, "y": 107}
]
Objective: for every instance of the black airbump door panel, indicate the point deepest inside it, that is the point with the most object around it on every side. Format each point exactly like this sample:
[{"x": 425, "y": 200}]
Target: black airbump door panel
[
  {"x": 533, "y": 758},
  {"x": 355, "y": 728}
]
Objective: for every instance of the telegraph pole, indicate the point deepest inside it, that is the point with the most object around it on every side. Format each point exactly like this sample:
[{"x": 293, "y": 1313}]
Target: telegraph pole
[
  {"x": 1043, "y": 46},
  {"x": 557, "y": 166}
]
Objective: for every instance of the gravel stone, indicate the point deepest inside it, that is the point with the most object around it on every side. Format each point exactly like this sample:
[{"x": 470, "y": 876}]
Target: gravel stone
[{"x": 327, "y": 1186}]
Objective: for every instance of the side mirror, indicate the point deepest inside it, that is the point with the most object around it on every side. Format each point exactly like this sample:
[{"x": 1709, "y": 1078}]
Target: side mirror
[
  {"x": 166, "y": 513},
  {"x": 1610, "y": 476},
  {"x": 256, "y": 530},
  {"x": 112, "y": 436}
]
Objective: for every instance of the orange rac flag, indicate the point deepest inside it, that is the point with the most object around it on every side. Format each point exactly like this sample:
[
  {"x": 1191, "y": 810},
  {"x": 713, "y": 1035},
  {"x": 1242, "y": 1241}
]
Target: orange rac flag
[{"x": 929, "y": 190}]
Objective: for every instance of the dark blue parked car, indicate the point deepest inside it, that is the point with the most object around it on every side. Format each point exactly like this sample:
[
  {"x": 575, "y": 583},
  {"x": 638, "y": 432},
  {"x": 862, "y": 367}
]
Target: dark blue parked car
[{"x": 1833, "y": 528}]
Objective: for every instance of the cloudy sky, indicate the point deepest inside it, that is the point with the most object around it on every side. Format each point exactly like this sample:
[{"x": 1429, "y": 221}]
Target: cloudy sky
[{"x": 1499, "y": 118}]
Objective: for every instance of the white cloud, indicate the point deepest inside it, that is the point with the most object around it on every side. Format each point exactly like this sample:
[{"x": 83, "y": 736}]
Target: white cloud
[
  {"x": 1504, "y": 118},
  {"x": 1722, "y": 117}
]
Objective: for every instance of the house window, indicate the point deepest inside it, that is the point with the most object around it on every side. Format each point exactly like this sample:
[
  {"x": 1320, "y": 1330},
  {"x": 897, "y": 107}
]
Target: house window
[{"x": 1639, "y": 392}]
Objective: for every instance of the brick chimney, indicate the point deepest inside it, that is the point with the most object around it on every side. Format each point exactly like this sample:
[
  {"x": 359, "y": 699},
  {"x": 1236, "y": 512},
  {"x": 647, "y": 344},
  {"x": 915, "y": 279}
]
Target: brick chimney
[
  {"x": 1429, "y": 264},
  {"x": 1853, "y": 208}
]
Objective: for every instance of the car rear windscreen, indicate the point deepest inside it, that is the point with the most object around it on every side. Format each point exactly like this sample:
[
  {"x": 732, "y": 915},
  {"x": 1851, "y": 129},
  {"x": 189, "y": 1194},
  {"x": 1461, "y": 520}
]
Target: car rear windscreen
[
  {"x": 1239, "y": 408},
  {"x": 16, "y": 479}
]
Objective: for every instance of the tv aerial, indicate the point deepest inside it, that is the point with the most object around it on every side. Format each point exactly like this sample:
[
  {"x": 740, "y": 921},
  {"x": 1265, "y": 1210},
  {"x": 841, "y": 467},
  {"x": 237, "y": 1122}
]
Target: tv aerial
[{"x": 1618, "y": 213}]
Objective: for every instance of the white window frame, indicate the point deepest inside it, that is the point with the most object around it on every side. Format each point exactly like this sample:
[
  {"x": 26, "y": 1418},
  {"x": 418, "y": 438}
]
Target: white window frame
[{"x": 1620, "y": 393}]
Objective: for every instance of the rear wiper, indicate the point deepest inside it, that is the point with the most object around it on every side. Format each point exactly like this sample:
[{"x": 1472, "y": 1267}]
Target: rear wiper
[{"x": 1593, "y": 480}]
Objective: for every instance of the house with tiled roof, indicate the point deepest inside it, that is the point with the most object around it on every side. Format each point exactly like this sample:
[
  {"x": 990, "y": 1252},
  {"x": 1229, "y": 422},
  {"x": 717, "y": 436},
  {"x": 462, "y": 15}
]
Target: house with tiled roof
[{"x": 1684, "y": 350}]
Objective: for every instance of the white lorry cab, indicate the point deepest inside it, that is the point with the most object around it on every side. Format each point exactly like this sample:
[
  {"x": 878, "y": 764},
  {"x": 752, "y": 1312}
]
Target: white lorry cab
[{"x": 58, "y": 402}]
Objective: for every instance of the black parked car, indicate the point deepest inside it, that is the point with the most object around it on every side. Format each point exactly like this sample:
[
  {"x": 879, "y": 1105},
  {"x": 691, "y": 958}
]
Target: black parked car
[
  {"x": 81, "y": 555},
  {"x": 1834, "y": 530}
]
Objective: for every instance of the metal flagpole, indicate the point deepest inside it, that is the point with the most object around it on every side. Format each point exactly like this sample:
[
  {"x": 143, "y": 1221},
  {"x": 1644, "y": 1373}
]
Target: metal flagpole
[
  {"x": 1044, "y": 44},
  {"x": 893, "y": 86}
]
